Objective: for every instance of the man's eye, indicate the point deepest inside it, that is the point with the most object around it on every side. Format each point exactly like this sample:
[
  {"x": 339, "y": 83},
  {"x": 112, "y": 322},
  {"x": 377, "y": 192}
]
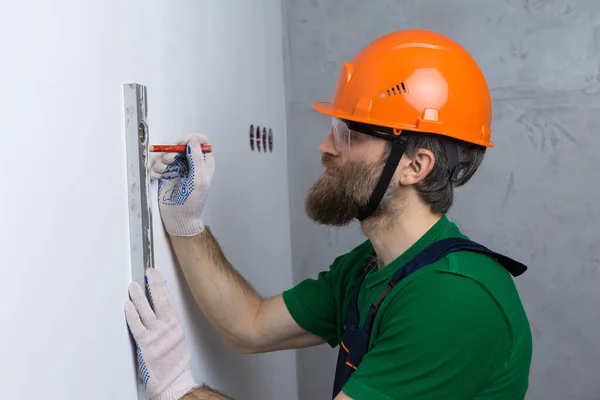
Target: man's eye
[{"x": 359, "y": 137}]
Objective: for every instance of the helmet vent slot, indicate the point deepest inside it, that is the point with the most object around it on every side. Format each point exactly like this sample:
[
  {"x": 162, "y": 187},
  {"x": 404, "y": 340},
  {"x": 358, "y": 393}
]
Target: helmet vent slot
[{"x": 395, "y": 90}]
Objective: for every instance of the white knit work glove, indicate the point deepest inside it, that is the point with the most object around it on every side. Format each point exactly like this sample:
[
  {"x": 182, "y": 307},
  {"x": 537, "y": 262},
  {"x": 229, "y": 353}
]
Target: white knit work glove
[
  {"x": 162, "y": 354},
  {"x": 183, "y": 184}
]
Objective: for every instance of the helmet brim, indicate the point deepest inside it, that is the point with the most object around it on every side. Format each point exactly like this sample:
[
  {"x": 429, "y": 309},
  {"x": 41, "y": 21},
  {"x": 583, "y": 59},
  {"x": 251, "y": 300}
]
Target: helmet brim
[{"x": 328, "y": 109}]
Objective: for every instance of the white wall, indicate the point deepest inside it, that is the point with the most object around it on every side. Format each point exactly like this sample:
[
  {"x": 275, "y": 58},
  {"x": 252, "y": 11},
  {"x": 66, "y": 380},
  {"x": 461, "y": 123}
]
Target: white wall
[{"x": 213, "y": 67}]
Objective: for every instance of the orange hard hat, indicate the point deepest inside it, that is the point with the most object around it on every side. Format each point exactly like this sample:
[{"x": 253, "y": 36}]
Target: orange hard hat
[{"x": 415, "y": 80}]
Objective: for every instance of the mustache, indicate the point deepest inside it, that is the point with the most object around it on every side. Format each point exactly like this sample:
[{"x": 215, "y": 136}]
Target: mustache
[{"x": 328, "y": 162}]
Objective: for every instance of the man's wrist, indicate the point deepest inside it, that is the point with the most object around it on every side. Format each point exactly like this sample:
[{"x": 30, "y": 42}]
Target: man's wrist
[
  {"x": 202, "y": 235},
  {"x": 183, "y": 385},
  {"x": 183, "y": 225},
  {"x": 205, "y": 392}
]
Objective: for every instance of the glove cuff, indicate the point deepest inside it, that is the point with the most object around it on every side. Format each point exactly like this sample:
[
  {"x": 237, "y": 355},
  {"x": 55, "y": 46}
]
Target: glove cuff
[
  {"x": 183, "y": 385},
  {"x": 181, "y": 224}
]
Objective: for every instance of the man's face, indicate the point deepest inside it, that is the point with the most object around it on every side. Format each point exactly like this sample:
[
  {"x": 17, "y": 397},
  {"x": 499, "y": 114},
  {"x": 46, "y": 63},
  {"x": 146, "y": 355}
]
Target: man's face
[{"x": 352, "y": 169}]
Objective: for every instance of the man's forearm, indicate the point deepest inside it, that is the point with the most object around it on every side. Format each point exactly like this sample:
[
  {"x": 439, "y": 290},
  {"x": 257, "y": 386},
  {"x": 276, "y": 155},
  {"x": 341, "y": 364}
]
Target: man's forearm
[
  {"x": 205, "y": 393},
  {"x": 227, "y": 300}
]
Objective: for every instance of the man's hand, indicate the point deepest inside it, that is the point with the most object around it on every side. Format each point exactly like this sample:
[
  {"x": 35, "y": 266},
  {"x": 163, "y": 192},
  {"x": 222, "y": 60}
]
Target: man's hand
[
  {"x": 163, "y": 357},
  {"x": 183, "y": 184}
]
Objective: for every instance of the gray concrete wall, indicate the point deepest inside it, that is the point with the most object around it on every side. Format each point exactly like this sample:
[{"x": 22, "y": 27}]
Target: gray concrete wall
[{"x": 535, "y": 197}]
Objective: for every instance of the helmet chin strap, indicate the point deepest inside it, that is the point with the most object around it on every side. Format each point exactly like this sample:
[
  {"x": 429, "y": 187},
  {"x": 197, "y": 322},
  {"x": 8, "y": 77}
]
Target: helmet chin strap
[{"x": 398, "y": 149}]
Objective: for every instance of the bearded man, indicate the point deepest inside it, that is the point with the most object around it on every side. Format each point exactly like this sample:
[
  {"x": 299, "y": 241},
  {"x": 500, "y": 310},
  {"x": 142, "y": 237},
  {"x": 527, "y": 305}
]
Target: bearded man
[{"x": 418, "y": 310}]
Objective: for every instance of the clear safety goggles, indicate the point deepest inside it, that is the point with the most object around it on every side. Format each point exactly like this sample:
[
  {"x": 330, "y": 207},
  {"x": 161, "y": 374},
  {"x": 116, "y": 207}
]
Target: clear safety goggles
[{"x": 344, "y": 138}]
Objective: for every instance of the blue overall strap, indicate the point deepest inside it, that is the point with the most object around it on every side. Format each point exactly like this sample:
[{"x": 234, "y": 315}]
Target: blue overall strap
[
  {"x": 355, "y": 339},
  {"x": 439, "y": 249},
  {"x": 352, "y": 336}
]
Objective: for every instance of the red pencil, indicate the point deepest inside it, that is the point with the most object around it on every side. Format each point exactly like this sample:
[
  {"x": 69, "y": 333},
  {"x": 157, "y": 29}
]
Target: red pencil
[{"x": 176, "y": 148}]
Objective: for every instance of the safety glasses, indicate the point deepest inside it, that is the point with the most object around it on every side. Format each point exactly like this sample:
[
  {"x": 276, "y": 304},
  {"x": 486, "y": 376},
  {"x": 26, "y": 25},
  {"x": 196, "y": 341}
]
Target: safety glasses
[{"x": 348, "y": 134}]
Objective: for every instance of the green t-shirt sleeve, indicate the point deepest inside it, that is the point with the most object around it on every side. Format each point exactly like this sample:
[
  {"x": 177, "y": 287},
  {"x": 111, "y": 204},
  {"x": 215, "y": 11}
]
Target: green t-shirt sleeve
[
  {"x": 312, "y": 304},
  {"x": 432, "y": 346}
]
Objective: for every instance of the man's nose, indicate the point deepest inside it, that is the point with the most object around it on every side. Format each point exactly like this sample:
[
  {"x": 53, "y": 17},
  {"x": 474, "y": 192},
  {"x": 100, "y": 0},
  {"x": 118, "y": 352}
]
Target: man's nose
[{"x": 327, "y": 146}]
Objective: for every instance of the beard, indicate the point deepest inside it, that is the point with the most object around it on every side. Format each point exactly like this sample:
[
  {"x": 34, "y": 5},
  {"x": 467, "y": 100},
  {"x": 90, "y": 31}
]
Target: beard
[{"x": 337, "y": 199}]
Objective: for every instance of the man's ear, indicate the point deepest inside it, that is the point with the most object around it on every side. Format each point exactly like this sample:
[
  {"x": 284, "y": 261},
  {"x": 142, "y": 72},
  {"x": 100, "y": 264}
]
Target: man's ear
[{"x": 414, "y": 168}]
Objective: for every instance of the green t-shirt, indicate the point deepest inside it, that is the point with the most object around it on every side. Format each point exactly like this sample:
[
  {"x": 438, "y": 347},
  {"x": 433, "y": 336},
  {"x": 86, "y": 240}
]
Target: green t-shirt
[{"x": 455, "y": 329}]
